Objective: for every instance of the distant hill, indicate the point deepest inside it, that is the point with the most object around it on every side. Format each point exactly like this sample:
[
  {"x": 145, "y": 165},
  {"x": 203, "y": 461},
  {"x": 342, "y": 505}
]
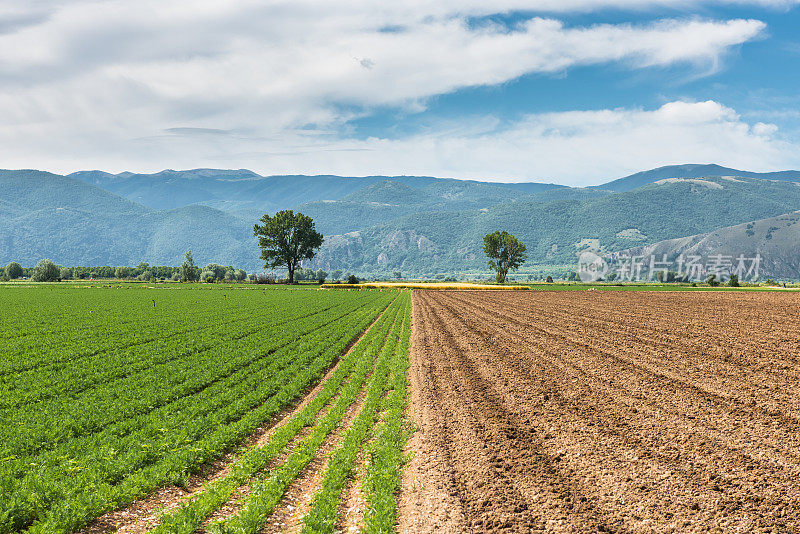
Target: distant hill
[
  {"x": 556, "y": 231},
  {"x": 415, "y": 224},
  {"x": 43, "y": 215},
  {"x": 28, "y": 190},
  {"x": 775, "y": 239},
  {"x": 639, "y": 179},
  {"x": 391, "y": 199},
  {"x": 246, "y": 194}
]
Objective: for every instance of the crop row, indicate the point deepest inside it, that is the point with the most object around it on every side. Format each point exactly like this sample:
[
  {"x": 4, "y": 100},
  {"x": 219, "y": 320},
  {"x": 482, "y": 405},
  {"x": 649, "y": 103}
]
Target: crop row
[
  {"x": 120, "y": 438},
  {"x": 43, "y": 383},
  {"x": 338, "y": 393},
  {"x": 376, "y": 367},
  {"x": 98, "y": 327},
  {"x": 385, "y": 395},
  {"x": 144, "y": 390}
]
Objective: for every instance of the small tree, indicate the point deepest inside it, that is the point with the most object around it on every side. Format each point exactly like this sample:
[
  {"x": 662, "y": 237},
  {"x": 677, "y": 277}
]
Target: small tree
[
  {"x": 321, "y": 276},
  {"x": 141, "y": 268},
  {"x": 352, "y": 279},
  {"x": 45, "y": 271},
  {"x": 188, "y": 270},
  {"x": 217, "y": 269},
  {"x": 734, "y": 281},
  {"x": 287, "y": 239},
  {"x": 13, "y": 270},
  {"x": 264, "y": 278},
  {"x": 712, "y": 280},
  {"x": 66, "y": 273},
  {"x": 549, "y": 279},
  {"x": 505, "y": 253},
  {"x": 302, "y": 273}
]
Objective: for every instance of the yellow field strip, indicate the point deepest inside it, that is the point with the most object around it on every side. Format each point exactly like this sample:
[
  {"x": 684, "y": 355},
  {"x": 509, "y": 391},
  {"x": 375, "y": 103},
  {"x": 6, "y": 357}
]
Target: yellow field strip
[{"x": 422, "y": 285}]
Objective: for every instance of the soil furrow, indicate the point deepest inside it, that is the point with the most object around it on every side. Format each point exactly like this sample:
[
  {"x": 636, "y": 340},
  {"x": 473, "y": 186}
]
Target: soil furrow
[
  {"x": 634, "y": 411},
  {"x": 622, "y": 432}
]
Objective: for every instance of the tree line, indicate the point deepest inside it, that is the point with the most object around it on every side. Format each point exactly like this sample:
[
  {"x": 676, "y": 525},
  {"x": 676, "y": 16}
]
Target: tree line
[
  {"x": 285, "y": 240},
  {"x": 48, "y": 271}
]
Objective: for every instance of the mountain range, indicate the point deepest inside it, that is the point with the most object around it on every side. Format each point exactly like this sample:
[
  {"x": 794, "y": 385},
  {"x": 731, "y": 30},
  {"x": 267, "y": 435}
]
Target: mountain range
[
  {"x": 775, "y": 240},
  {"x": 417, "y": 225}
]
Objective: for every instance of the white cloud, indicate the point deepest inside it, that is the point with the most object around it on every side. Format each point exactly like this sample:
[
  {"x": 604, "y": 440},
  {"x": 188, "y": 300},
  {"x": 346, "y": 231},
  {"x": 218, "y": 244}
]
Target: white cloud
[
  {"x": 583, "y": 147},
  {"x": 574, "y": 148},
  {"x": 577, "y": 148},
  {"x": 117, "y": 84}
]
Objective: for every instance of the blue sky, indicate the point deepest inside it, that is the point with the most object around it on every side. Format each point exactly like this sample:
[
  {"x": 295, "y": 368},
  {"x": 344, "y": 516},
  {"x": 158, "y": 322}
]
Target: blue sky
[
  {"x": 760, "y": 79},
  {"x": 569, "y": 91}
]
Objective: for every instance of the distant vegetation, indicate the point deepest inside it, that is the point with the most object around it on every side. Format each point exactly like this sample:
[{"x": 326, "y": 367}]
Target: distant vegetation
[
  {"x": 376, "y": 226},
  {"x": 188, "y": 272},
  {"x": 48, "y": 271},
  {"x": 13, "y": 270}
]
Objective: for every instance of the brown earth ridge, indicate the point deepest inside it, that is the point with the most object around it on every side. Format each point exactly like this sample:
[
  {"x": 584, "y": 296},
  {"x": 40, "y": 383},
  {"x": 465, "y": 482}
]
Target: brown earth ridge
[{"x": 604, "y": 412}]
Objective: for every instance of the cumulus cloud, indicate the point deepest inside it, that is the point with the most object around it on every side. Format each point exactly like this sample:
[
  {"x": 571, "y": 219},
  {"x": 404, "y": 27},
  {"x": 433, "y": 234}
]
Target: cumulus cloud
[{"x": 152, "y": 84}]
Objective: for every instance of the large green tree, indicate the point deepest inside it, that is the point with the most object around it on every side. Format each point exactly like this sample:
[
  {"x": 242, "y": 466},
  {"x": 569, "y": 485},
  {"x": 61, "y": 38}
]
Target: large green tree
[
  {"x": 13, "y": 270},
  {"x": 287, "y": 239},
  {"x": 505, "y": 252},
  {"x": 46, "y": 271},
  {"x": 187, "y": 269}
]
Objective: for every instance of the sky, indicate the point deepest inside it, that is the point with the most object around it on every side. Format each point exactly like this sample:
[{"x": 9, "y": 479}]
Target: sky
[{"x": 576, "y": 92}]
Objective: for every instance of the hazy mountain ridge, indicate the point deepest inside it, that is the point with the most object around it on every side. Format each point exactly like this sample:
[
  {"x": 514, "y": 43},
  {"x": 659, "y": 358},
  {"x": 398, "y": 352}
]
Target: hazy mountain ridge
[
  {"x": 172, "y": 189},
  {"x": 376, "y": 224},
  {"x": 76, "y": 223},
  {"x": 628, "y": 183},
  {"x": 388, "y": 200},
  {"x": 775, "y": 239},
  {"x": 556, "y": 231}
]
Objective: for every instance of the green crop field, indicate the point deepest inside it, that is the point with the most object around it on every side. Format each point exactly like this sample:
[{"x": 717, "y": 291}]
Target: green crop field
[{"x": 109, "y": 393}]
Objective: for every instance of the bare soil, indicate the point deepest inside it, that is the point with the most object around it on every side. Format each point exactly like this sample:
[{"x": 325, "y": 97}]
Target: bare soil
[{"x": 604, "y": 412}]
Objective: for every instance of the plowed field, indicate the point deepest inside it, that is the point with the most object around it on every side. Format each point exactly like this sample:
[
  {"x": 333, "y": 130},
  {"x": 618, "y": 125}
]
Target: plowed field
[{"x": 604, "y": 412}]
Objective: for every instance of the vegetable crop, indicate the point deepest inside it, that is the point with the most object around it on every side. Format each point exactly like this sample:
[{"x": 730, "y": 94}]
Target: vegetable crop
[{"x": 107, "y": 394}]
